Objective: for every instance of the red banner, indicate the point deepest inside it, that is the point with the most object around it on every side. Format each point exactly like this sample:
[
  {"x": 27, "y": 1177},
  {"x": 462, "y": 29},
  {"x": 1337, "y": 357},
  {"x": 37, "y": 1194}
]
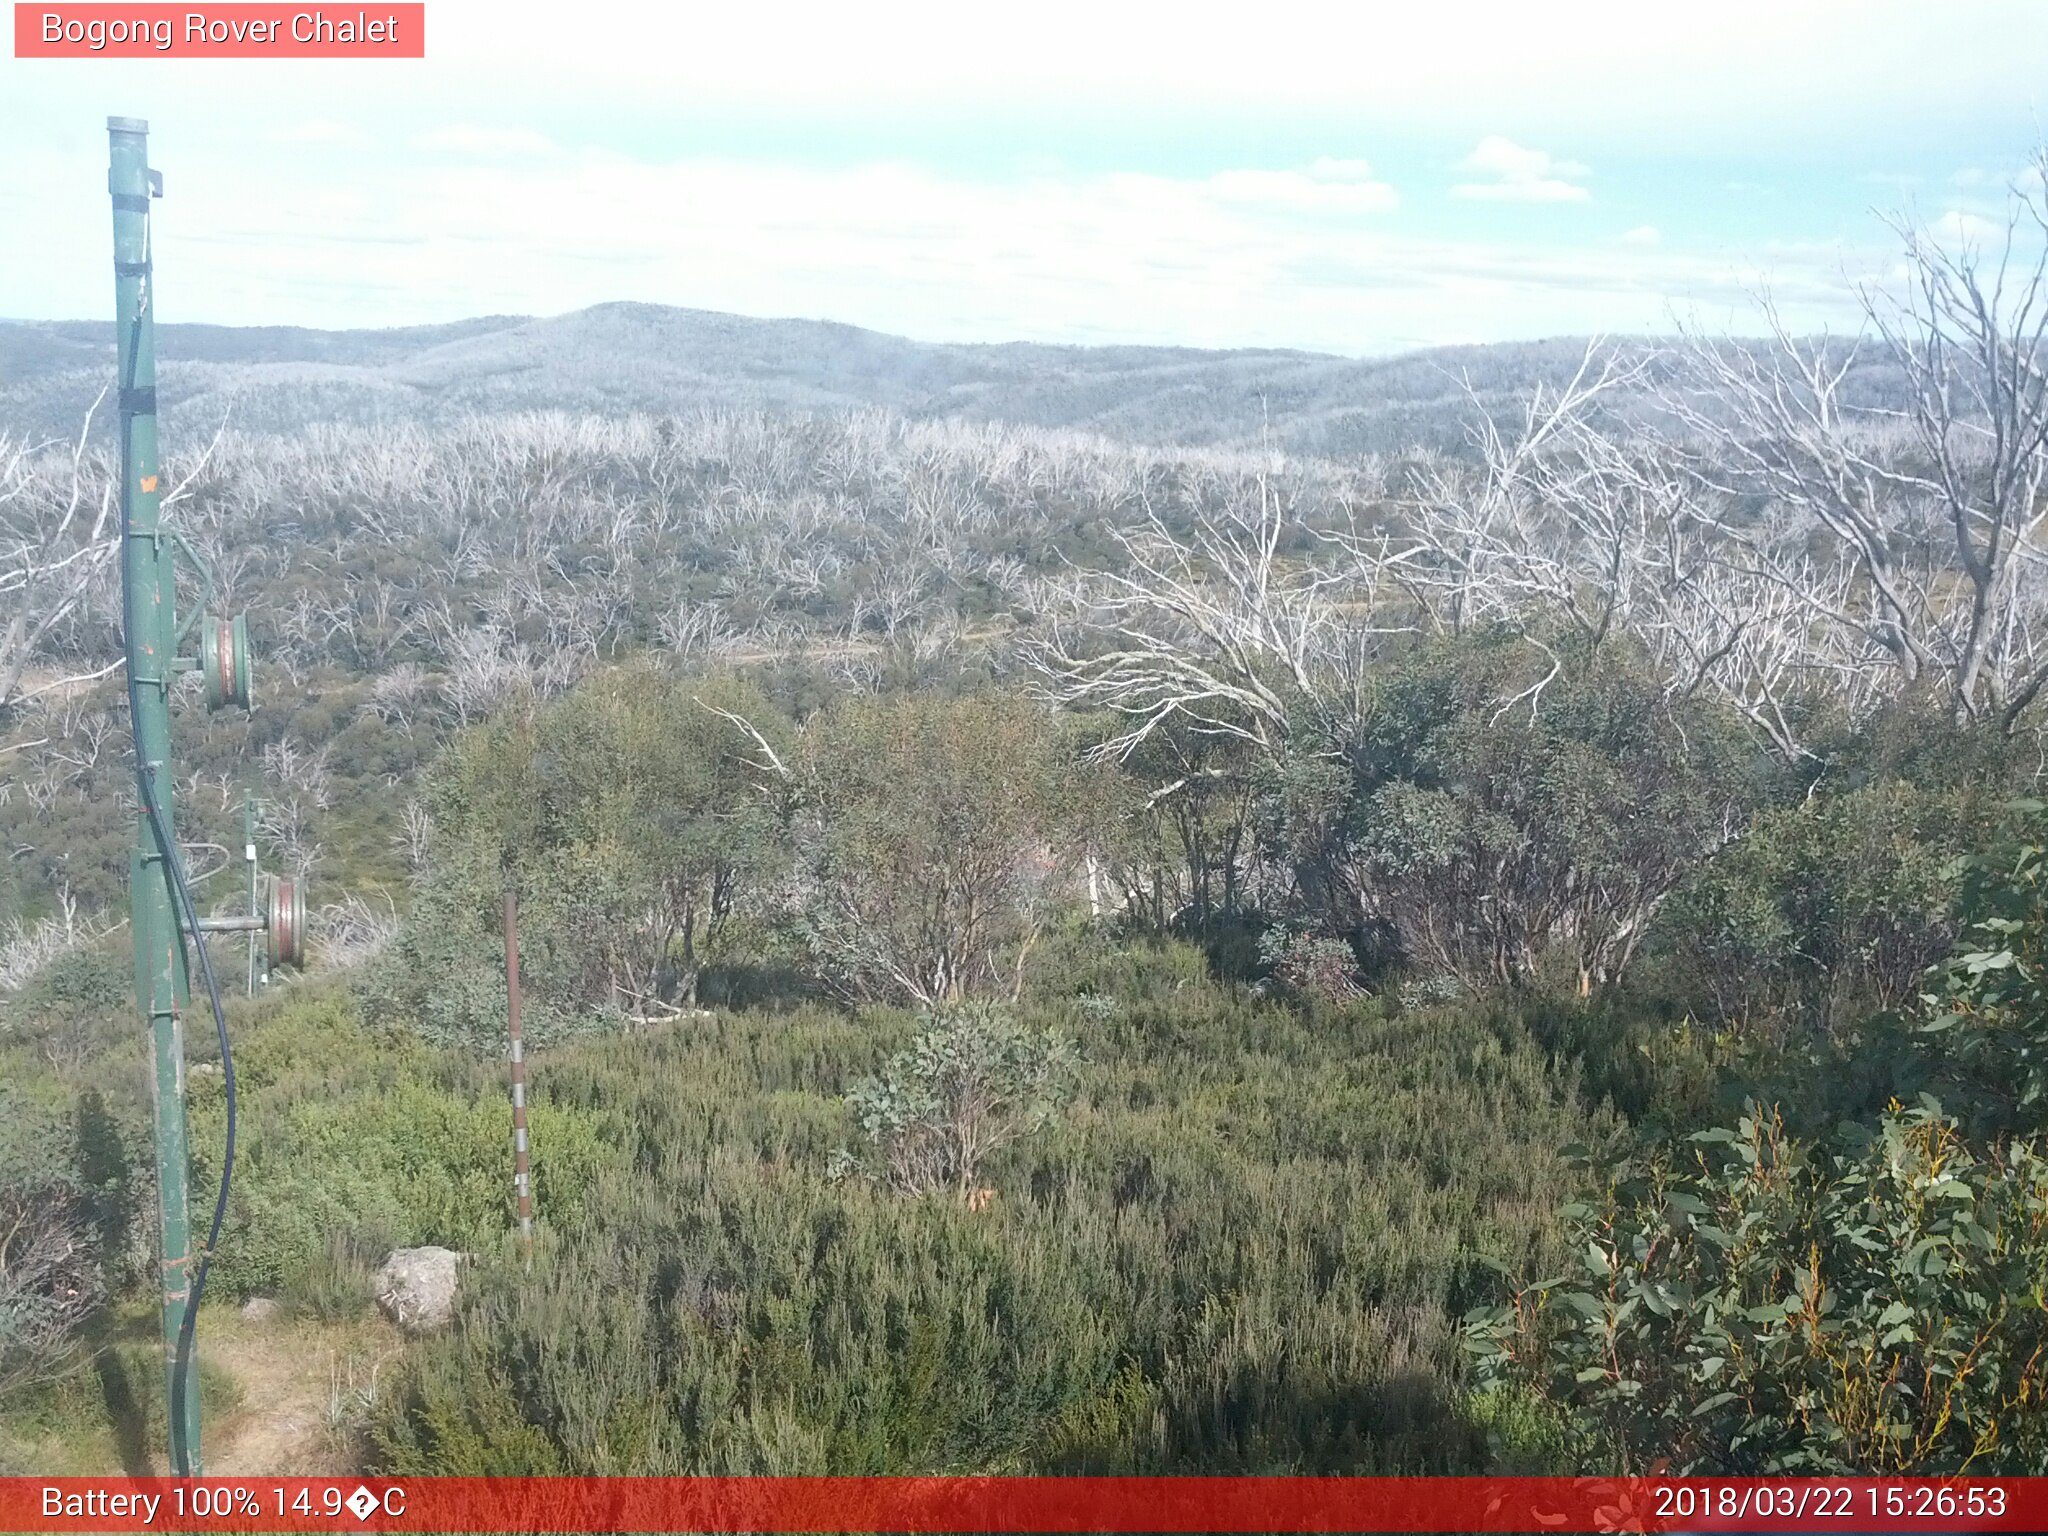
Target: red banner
[
  {"x": 1024, "y": 1504},
  {"x": 233, "y": 31}
]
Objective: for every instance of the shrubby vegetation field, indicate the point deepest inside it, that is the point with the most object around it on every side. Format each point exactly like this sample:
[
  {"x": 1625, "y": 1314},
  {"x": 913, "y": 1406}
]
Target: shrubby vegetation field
[{"x": 1049, "y": 954}]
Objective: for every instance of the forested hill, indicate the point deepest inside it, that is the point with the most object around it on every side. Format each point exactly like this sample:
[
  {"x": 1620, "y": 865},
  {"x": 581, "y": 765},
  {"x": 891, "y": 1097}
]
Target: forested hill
[{"x": 644, "y": 357}]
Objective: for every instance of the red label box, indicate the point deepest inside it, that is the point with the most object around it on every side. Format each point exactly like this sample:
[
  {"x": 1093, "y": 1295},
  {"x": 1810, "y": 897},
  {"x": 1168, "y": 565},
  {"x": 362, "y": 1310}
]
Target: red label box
[
  {"x": 372, "y": 30},
  {"x": 1052, "y": 1506}
]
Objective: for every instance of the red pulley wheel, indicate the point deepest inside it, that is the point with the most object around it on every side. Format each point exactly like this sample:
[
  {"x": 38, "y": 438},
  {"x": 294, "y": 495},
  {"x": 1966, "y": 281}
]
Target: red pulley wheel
[
  {"x": 224, "y": 658},
  {"x": 286, "y": 920}
]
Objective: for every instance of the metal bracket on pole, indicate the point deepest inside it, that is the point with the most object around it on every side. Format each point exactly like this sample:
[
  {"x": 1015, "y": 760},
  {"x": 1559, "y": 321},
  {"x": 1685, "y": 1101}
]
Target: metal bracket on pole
[{"x": 184, "y": 547}]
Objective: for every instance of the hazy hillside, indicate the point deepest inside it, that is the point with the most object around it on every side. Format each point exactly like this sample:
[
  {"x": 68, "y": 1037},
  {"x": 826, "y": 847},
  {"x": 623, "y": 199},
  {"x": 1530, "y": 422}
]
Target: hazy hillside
[{"x": 641, "y": 357}]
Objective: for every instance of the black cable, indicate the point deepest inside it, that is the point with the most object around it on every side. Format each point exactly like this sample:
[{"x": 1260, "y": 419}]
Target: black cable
[
  {"x": 186, "y": 921},
  {"x": 175, "y": 862}
]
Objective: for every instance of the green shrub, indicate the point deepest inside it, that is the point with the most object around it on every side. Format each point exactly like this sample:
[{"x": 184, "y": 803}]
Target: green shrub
[
  {"x": 1527, "y": 1434},
  {"x": 1459, "y": 833},
  {"x": 76, "y": 1006},
  {"x": 972, "y": 1081},
  {"x": 52, "y": 1275},
  {"x": 1768, "y": 1306},
  {"x": 1988, "y": 1009},
  {"x": 112, "y": 1405},
  {"x": 1242, "y": 1248},
  {"x": 1311, "y": 967},
  {"x": 628, "y": 817},
  {"x": 336, "y": 1285},
  {"x": 1822, "y": 912},
  {"x": 369, "y": 1141},
  {"x": 931, "y": 836},
  {"x": 1751, "y": 1300}
]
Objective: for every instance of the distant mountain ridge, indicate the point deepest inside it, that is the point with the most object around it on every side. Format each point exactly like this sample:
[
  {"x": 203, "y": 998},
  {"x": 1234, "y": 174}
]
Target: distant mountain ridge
[{"x": 650, "y": 358}]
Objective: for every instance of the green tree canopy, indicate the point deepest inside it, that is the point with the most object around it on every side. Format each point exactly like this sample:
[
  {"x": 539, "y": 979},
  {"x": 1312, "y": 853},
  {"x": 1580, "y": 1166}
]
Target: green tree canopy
[{"x": 934, "y": 835}]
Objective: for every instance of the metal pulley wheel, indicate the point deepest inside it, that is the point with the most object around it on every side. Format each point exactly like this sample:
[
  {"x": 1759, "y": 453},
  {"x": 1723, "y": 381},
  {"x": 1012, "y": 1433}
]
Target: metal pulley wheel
[
  {"x": 285, "y": 919},
  {"x": 225, "y": 659}
]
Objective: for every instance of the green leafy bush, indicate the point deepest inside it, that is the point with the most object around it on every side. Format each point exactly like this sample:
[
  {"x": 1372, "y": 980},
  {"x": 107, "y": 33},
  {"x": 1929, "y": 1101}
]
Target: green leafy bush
[
  {"x": 1823, "y": 910},
  {"x": 628, "y": 816},
  {"x": 972, "y": 1081},
  {"x": 1988, "y": 1011},
  {"x": 1310, "y": 966},
  {"x": 1503, "y": 809},
  {"x": 337, "y": 1284},
  {"x": 1765, "y": 1305},
  {"x": 1756, "y": 1301},
  {"x": 75, "y": 1006},
  {"x": 932, "y": 835}
]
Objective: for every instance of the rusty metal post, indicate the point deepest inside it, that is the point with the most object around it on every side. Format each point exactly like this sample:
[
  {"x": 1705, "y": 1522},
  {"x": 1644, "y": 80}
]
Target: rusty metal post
[
  {"x": 522, "y": 1172},
  {"x": 249, "y": 859}
]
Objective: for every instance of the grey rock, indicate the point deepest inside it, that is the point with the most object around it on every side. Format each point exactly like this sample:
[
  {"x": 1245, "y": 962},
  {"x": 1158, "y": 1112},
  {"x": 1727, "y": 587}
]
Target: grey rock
[{"x": 415, "y": 1287}]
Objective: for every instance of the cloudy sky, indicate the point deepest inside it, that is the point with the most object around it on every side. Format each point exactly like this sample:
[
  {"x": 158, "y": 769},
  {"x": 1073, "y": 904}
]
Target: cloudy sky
[{"x": 1356, "y": 178}]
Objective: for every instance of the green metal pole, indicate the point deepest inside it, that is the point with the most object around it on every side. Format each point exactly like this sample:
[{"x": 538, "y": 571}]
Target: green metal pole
[{"x": 150, "y": 627}]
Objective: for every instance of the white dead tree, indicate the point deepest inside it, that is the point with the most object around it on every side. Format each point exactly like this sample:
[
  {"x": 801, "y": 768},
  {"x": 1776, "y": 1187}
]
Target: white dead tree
[
  {"x": 1924, "y": 498},
  {"x": 286, "y": 823},
  {"x": 355, "y": 930},
  {"x": 50, "y": 1282},
  {"x": 1542, "y": 524},
  {"x": 691, "y": 631},
  {"x": 1562, "y": 530},
  {"x": 26, "y": 949},
  {"x": 301, "y": 768},
  {"x": 1220, "y": 630},
  {"x": 55, "y": 541},
  {"x": 1831, "y": 522},
  {"x": 402, "y": 694}
]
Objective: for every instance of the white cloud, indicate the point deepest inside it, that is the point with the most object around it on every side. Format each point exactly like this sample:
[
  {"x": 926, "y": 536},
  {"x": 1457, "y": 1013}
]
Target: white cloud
[
  {"x": 979, "y": 243},
  {"x": 321, "y": 132},
  {"x": 1334, "y": 187},
  {"x": 1983, "y": 188},
  {"x": 1756, "y": 71},
  {"x": 469, "y": 139},
  {"x": 1520, "y": 175},
  {"x": 1960, "y": 227},
  {"x": 1301, "y": 258},
  {"x": 1643, "y": 234}
]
